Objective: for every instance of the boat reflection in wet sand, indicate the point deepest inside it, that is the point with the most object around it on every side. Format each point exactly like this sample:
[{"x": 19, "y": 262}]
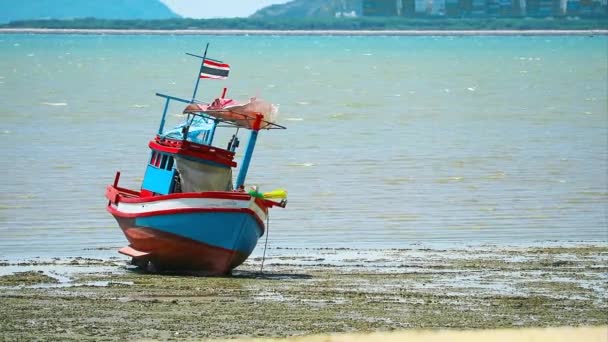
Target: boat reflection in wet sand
[{"x": 188, "y": 215}]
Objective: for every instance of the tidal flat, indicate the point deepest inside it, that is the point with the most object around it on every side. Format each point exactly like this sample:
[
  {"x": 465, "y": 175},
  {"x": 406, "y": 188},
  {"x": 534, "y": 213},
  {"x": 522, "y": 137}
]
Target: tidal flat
[{"x": 304, "y": 291}]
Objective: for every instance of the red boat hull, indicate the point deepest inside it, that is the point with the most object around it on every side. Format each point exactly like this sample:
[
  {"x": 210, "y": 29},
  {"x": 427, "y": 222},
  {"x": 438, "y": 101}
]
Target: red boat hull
[{"x": 173, "y": 252}]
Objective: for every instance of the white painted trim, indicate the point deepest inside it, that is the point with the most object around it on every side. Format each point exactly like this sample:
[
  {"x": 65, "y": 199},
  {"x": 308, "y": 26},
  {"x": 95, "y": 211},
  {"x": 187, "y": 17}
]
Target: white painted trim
[{"x": 190, "y": 203}]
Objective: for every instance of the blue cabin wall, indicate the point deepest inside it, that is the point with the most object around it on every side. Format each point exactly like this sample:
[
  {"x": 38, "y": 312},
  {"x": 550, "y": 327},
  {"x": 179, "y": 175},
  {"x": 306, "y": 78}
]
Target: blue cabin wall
[{"x": 160, "y": 174}]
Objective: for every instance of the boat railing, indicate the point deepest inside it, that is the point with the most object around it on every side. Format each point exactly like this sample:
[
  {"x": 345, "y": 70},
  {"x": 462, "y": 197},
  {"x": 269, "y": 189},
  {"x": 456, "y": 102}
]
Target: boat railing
[{"x": 168, "y": 99}]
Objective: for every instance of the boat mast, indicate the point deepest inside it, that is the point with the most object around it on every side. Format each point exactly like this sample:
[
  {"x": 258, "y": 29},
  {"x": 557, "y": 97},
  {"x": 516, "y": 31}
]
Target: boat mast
[
  {"x": 198, "y": 77},
  {"x": 209, "y": 138}
]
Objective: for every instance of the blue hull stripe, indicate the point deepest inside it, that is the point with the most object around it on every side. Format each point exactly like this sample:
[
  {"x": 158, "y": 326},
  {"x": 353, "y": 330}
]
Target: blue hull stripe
[{"x": 232, "y": 231}]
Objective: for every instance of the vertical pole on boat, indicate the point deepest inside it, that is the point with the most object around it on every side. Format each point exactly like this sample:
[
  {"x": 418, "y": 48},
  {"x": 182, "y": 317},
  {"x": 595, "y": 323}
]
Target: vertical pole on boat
[
  {"x": 212, "y": 132},
  {"x": 198, "y": 77},
  {"x": 240, "y": 181},
  {"x": 116, "y": 178},
  {"x": 215, "y": 122},
  {"x": 162, "y": 120}
]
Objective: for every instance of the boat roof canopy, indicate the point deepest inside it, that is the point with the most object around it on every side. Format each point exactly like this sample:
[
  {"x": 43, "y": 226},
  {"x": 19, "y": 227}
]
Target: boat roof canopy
[
  {"x": 244, "y": 116},
  {"x": 229, "y": 112},
  {"x": 233, "y": 117}
]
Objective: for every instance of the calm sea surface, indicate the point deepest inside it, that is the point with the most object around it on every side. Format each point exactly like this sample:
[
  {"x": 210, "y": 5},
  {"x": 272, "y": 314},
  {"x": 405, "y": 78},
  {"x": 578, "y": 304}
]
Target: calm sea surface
[{"x": 391, "y": 141}]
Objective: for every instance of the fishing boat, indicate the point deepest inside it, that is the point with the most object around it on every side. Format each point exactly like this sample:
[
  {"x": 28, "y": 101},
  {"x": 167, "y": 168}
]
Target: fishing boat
[{"x": 189, "y": 214}]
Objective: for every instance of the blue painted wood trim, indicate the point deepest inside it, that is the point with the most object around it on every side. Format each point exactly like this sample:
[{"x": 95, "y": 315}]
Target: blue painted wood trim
[{"x": 158, "y": 180}]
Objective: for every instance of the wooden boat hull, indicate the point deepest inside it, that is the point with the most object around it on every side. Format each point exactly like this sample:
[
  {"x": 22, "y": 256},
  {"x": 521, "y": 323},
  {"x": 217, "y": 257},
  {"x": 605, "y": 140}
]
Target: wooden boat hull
[{"x": 209, "y": 232}]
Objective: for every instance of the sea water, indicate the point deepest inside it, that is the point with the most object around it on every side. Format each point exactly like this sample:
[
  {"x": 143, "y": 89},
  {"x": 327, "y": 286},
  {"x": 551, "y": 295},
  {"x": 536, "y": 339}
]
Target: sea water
[{"x": 392, "y": 142}]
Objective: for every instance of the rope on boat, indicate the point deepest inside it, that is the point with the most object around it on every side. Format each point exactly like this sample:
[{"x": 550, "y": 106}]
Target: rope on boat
[{"x": 265, "y": 244}]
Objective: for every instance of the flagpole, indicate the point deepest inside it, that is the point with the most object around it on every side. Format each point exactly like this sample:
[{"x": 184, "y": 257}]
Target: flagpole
[{"x": 198, "y": 77}]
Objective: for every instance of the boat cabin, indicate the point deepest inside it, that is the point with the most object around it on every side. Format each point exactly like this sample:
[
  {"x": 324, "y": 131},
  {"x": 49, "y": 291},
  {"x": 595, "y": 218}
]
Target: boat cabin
[{"x": 186, "y": 159}]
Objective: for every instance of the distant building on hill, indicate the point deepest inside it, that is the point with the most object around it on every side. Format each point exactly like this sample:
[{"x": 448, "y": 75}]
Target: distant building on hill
[
  {"x": 421, "y": 7},
  {"x": 351, "y": 14},
  {"x": 485, "y": 8},
  {"x": 381, "y": 8}
]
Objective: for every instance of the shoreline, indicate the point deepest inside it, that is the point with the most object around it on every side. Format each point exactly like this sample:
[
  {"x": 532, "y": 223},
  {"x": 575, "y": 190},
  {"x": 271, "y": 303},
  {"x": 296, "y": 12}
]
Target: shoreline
[{"x": 222, "y": 32}]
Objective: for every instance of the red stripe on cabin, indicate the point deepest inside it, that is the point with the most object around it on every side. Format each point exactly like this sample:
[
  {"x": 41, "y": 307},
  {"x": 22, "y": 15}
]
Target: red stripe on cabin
[{"x": 212, "y": 154}]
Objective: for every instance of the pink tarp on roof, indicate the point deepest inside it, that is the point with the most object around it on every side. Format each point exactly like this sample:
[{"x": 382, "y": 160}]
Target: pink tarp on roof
[{"x": 242, "y": 115}]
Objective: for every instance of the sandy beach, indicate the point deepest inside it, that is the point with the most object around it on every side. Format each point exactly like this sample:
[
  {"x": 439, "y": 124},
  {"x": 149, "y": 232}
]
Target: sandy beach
[
  {"x": 312, "y": 32},
  {"x": 565, "y": 334}
]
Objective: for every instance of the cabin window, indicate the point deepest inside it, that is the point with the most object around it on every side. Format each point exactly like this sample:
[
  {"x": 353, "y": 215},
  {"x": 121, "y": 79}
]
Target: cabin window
[
  {"x": 153, "y": 158},
  {"x": 163, "y": 163},
  {"x": 157, "y": 160}
]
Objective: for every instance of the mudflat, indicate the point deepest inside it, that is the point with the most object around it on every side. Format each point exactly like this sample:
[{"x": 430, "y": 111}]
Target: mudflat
[{"x": 310, "y": 292}]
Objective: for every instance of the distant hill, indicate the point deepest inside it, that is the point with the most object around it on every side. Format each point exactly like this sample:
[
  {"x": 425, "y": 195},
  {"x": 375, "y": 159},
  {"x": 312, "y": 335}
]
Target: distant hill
[
  {"x": 11, "y": 10},
  {"x": 310, "y": 8}
]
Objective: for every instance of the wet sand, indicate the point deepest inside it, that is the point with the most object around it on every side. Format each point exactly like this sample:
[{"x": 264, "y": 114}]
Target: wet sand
[
  {"x": 313, "y": 32},
  {"x": 309, "y": 292}
]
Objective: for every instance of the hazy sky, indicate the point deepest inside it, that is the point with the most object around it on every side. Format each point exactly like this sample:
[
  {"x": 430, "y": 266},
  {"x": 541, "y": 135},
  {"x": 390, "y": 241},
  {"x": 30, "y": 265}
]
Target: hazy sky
[{"x": 218, "y": 8}]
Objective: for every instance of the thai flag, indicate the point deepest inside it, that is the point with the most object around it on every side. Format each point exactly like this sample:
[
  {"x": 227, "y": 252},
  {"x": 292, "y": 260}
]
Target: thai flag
[{"x": 215, "y": 70}]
